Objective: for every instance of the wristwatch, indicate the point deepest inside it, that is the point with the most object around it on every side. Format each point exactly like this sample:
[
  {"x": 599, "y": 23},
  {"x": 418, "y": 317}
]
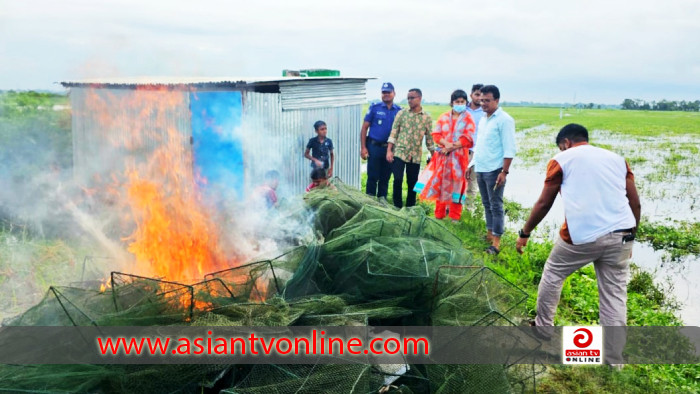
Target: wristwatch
[{"x": 522, "y": 234}]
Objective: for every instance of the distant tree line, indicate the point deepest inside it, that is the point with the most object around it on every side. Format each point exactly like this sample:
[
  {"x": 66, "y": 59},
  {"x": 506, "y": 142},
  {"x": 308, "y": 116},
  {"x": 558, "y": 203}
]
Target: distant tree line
[{"x": 662, "y": 105}]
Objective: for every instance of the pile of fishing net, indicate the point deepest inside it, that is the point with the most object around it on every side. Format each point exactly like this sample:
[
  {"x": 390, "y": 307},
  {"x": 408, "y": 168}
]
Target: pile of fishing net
[{"x": 368, "y": 264}]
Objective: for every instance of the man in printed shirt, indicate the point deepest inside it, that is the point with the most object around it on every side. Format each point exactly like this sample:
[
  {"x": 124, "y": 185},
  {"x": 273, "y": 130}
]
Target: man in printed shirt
[
  {"x": 404, "y": 149},
  {"x": 602, "y": 211},
  {"x": 493, "y": 153}
]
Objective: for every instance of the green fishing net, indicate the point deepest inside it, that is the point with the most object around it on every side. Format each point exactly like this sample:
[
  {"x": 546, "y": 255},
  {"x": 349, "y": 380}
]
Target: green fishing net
[{"x": 368, "y": 264}]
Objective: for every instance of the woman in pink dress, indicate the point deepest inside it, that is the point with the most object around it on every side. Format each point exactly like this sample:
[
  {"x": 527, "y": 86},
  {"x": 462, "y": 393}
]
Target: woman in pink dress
[{"x": 453, "y": 136}]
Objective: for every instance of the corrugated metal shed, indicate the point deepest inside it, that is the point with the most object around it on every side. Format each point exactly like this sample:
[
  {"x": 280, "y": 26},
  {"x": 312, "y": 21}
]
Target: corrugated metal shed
[
  {"x": 289, "y": 131},
  {"x": 331, "y": 93},
  {"x": 277, "y": 119}
]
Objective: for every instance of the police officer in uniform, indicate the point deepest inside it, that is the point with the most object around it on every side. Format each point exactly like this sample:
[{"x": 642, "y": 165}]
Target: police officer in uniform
[{"x": 379, "y": 121}]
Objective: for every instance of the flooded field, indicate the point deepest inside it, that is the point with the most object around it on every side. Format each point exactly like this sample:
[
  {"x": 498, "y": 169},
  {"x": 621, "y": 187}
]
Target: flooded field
[
  {"x": 668, "y": 185},
  {"x": 663, "y": 150}
]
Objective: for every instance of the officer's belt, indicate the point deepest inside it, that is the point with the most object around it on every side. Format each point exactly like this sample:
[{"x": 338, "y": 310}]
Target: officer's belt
[{"x": 377, "y": 143}]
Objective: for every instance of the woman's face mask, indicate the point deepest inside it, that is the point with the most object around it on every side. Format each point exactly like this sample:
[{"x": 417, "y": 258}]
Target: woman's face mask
[{"x": 459, "y": 107}]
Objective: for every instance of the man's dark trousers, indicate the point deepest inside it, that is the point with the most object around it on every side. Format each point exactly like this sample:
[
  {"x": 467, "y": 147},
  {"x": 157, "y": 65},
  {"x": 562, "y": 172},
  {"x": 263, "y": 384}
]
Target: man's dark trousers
[
  {"x": 378, "y": 170},
  {"x": 412, "y": 170}
]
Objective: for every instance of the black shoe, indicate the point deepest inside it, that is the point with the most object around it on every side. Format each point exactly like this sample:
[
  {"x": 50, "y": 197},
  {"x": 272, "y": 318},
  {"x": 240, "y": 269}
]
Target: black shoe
[{"x": 540, "y": 332}]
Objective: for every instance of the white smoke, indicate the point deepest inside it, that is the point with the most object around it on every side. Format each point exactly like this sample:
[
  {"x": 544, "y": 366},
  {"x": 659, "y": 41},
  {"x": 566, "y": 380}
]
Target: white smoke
[
  {"x": 252, "y": 229},
  {"x": 80, "y": 208}
]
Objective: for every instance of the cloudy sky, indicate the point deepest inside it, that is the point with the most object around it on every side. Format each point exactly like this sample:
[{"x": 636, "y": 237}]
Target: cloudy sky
[{"x": 598, "y": 51}]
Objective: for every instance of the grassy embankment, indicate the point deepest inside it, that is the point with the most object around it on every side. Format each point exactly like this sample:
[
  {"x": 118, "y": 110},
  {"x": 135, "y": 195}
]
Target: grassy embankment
[
  {"x": 647, "y": 304},
  {"x": 35, "y": 144}
]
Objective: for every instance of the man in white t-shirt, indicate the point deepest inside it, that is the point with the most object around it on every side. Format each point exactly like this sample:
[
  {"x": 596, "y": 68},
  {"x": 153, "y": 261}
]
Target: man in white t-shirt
[{"x": 602, "y": 211}]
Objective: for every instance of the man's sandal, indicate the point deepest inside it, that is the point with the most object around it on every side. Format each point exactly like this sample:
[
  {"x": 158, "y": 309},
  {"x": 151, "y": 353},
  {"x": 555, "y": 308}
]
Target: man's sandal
[{"x": 493, "y": 250}]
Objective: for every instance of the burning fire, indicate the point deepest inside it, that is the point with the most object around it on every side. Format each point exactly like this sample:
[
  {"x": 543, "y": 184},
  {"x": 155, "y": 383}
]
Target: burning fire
[
  {"x": 104, "y": 285},
  {"x": 174, "y": 236}
]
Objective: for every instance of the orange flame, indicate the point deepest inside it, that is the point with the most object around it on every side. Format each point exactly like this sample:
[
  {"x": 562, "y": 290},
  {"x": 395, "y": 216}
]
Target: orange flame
[
  {"x": 174, "y": 236},
  {"x": 105, "y": 285}
]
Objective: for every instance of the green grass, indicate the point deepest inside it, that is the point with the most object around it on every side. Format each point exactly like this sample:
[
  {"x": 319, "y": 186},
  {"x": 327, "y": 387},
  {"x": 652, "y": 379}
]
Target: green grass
[
  {"x": 636, "y": 160},
  {"x": 648, "y": 305},
  {"x": 632, "y": 379},
  {"x": 678, "y": 238},
  {"x": 30, "y": 264},
  {"x": 635, "y": 123},
  {"x": 33, "y": 137}
]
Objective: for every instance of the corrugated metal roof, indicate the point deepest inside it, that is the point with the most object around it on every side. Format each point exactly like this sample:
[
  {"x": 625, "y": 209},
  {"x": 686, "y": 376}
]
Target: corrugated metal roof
[{"x": 197, "y": 81}]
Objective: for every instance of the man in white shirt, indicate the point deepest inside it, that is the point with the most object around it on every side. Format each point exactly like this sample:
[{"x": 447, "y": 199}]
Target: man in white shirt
[
  {"x": 602, "y": 211},
  {"x": 493, "y": 153}
]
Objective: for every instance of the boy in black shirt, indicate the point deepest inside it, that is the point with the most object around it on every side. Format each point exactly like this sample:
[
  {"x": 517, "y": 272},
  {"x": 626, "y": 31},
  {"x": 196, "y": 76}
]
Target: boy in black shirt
[{"x": 320, "y": 149}]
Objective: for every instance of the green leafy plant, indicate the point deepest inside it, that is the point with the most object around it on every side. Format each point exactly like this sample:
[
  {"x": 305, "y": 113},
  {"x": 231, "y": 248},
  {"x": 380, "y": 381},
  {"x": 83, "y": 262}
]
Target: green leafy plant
[{"x": 680, "y": 239}]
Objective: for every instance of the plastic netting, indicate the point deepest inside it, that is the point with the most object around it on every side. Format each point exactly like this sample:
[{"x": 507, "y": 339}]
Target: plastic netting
[
  {"x": 330, "y": 378},
  {"x": 473, "y": 296},
  {"x": 369, "y": 264},
  {"x": 109, "y": 378}
]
